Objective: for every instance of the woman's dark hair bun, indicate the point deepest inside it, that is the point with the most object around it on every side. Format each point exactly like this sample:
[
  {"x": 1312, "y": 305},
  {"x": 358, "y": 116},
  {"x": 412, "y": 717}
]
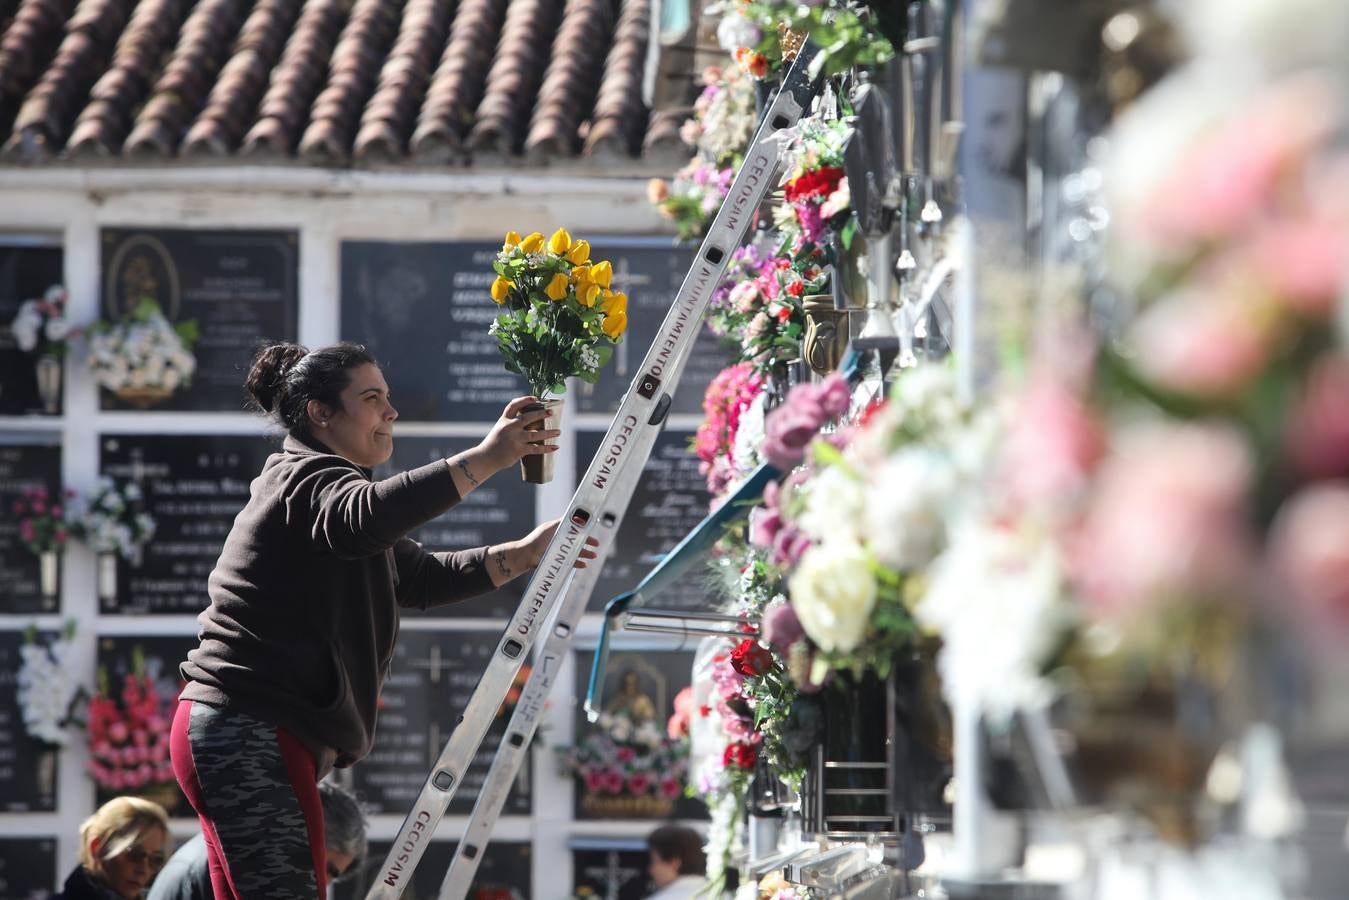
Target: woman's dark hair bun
[{"x": 267, "y": 377}]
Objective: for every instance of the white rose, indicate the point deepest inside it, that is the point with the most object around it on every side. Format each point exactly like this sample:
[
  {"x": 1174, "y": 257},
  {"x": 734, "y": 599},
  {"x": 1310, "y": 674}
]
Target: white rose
[
  {"x": 904, "y": 512},
  {"x": 138, "y": 379},
  {"x": 833, "y": 593},
  {"x": 170, "y": 380},
  {"x": 834, "y": 505}
]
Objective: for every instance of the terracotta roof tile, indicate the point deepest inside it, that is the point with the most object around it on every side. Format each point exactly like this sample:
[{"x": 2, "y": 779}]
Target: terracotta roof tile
[
  {"x": 234, "y": 99},
  {"x": 459, "y": 81},
  {"x": 183, "y": 84},
  {"x": 327, "y": 82},
  {"x": 105, "y": 121},
  {"x": 620, "y": 113},
  {"x": 513, "y": 80},
  {"x": 572, "y": 80}
]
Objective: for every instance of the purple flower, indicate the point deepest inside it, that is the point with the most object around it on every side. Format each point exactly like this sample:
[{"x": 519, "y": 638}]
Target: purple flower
[
  {"x": 834, "y": 395},
  {"x": 789, "y": 545},
  {"x": 781, "y": 628},
  {"x": 764, "y": 525}
]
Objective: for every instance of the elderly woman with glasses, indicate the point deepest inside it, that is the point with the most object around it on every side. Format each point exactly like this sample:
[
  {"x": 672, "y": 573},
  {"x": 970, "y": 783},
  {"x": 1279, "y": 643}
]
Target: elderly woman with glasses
[{"x": 122, "y": 846}]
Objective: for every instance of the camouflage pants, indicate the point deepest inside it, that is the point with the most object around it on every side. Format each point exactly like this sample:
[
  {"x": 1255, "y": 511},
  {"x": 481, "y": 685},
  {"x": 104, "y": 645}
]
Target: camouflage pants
[{"x": 255, "y": 789}]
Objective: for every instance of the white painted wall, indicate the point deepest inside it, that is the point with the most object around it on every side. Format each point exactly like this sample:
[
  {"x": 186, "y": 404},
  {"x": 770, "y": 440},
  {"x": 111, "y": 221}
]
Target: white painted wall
[{"x": 325, "y": 207}]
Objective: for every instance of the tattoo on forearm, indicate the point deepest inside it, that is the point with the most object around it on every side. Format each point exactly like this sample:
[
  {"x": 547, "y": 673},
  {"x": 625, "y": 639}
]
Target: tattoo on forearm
[
  {"x": 463, "y": 467},
  {"x": 501, "y": 565}
]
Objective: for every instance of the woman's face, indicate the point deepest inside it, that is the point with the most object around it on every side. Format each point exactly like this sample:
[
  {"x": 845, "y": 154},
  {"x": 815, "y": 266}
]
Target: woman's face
[
  {"x": 362, "y": 429},
  {"x": 130, "y": 872}
]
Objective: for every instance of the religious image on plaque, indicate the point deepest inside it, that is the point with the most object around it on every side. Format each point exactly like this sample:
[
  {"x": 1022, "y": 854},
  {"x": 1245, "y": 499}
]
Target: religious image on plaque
[
  {"x": 29, "y": 270},
  {"x": 29, "y": 754},
  {"x": 669, "y": 501},
  {"x": 186, "y": 310},
  {"x": 609, "y": 870},
  {"x": 633, "y": 762},
  {"x": 29, "y": 464},
  {"x": 130, "y": 715}
]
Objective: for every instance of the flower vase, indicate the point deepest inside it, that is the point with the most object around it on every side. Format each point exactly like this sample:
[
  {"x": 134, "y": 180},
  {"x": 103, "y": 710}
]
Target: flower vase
[
  {"x": 537, "y": 468},
  {"x": 826, "y": 333},
  {"x": 49, "y": 384},
  {"x": 143, "y": 398},
  {"x": 107, "y": 576},
  {"x": 848, "y": 793},
  {"x": 49, "y": 563}
]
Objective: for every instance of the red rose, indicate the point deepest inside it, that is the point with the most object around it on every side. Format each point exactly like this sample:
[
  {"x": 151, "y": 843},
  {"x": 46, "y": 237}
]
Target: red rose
[
  {"x": 818, "y": 183},
  {"x": 749, "y": 658},
  {"x": 796, "y": 288},
  {"x": 741, "y": 755}
]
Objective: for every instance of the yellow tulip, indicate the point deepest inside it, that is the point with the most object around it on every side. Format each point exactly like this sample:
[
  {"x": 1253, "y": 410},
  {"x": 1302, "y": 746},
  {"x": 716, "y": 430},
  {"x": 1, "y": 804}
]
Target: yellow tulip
[
  {"x": 580, "y": 274},
  {"x": 512, "y": 240},
  {"x": 588, "y": 293},
  {"x": 557, "y": 288},
  {"x": 615, "y": 325},
  {"x": 615, "y": 302},
  {"x": 533, "y": 243},
  {"x": 560, "y": 242},
  {"x": 580, "y": 253},
  {"x": 500, "y": 288},
  {"x": 602, "y": 273}
]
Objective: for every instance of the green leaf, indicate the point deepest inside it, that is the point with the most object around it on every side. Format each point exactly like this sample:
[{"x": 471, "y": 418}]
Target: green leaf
[{"x": 849, "y": 231}]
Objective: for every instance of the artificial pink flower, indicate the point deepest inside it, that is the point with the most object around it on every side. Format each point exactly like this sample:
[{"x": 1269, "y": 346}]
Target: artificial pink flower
[
  {"x": 1309, "y": 547},
  {"x": 781, "y": 628},
  {"x": 1167, "y": 518},
  {"x": 613, "y": 781},
  {"x": 625, "y": 754},
  {"x": 1204, "y": 344},
  {"x": 1053, "y": 444},
  {"x": 1317, "y": 432},
  {"x": 764, "y": 525},
  {"x": 670, "y": 788},
  {"x": 118, "y": 732},
  {"x": 1303, "y": 262},
  {"x": 789, "y": 546},
  {"x": 594, "y": 781},
  {"x": 639, "y": 782}
]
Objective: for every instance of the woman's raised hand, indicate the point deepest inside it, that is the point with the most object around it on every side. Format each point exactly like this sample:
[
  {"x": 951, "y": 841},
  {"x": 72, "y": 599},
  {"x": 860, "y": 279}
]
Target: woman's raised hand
[{"x": 509, "y": 441}]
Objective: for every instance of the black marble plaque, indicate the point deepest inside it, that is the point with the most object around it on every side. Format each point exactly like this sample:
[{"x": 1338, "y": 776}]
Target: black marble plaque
[
  {"x": 670, "y": 500},
  {"x": 640, "y": 686},
  {"x": 25, "y": 462},
  {"x": 612, "y": 873},
  {"x": 194, "y": 485},
  {"x": 432, "y": 678},
  {"x": 28, "y": 868},
  {"x": 26, "y": 271},
  {"x": 241, "y": 287},
  {"x": 423, "y": 309},
  {"x": 28, "y": 767},
  {"x": 504, "y": 873},
  {"x": 159, "y": 657},
  {"x": 650, "y": 273},
  {"x": 502, "y": 509}
]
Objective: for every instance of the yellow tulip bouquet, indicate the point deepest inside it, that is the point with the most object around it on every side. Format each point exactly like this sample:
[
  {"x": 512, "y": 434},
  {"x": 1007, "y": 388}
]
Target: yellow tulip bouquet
[{"x": 557, "y": 309}]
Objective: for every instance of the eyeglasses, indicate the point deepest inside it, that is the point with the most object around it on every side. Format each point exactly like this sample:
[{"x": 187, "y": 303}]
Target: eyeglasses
[{"x": 138, "y": 854}]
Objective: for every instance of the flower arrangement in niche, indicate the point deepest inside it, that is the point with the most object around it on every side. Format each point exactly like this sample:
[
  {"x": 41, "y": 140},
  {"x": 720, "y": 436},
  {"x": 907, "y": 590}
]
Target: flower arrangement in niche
[
  {"x": 560, "y": 317},
  {"x": 113, "y": 520},
  {"x": 41, "y": 326},
  {"x": 43, "y": 525},
  {"x": 848, "y": 33},
  {"x": 815, "y": 189},
  {"x": 47, "y": 693},
  {"x": 727, "y": 398},
  {"x": 129, "y": 732},
  {"x": 143, "y": 358},
  {"x": 622, "y": 758}
]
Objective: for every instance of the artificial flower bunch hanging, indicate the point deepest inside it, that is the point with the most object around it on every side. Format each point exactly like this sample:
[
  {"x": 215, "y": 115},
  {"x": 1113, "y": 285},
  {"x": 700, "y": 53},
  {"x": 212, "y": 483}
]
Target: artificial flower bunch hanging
[
  {"x": 817, "y": 198},
  {"x": 143, "y": 358},
  {"x": 48, "y": 693},
  {"x": 44, "y": 525},
  {"x": 41, "y": 326},
  {"x": 560, "y": 316},
  {"x": 114, "y": 520},
  {"x": 727, "y": 399},
  {"x": 129, "y": 732}
]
